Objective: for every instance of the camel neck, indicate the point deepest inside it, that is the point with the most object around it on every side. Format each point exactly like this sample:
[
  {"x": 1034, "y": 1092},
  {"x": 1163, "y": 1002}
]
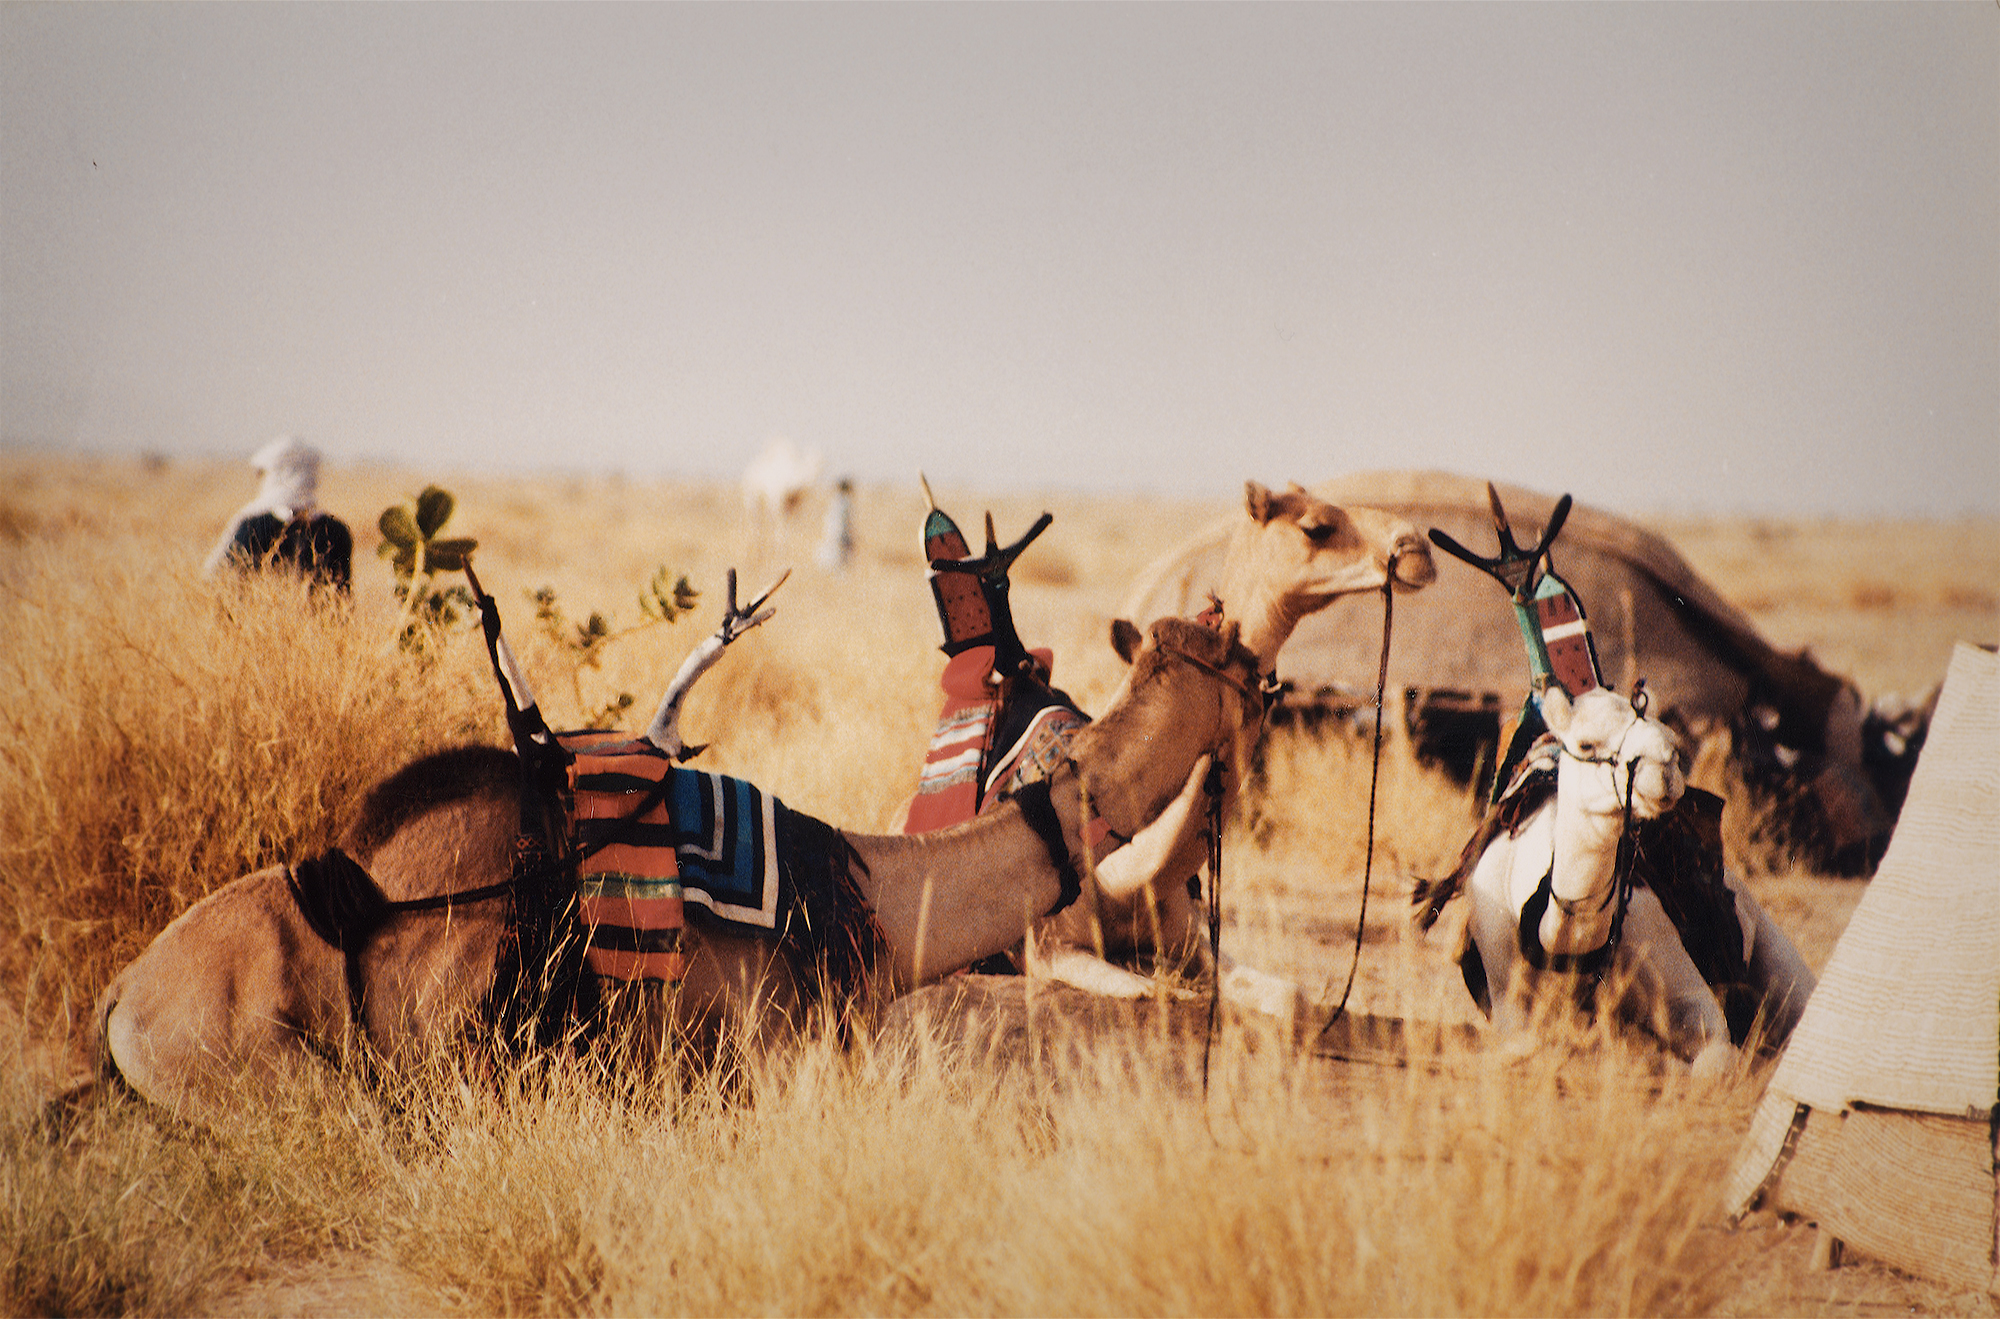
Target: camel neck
[
  {"x": 1586, "y": 851},
  {"x": 1265, "y": 618},
  {"x": 946, "y": 899}
]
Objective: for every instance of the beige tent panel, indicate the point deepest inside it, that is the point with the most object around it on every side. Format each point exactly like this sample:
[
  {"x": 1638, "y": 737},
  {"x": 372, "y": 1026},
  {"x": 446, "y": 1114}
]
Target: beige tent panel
[
  {"x": 1907, "y": 1013},
  {"x": 1911, "y": 1188},
  {"x": 1879, "y": 1122}
]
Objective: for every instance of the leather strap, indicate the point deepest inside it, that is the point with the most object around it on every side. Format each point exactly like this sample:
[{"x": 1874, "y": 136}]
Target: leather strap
[{"x": 1040, "y": 812}]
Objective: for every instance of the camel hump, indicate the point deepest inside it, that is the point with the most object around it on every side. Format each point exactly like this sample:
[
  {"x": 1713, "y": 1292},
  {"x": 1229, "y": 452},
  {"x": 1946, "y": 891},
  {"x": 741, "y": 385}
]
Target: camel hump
[{"x": 424, "y": 785}]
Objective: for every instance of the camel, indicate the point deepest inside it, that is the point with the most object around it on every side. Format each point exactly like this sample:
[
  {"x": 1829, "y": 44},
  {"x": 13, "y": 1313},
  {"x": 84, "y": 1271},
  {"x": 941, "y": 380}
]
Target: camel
[
  {"x": 1830, "y": 767},
  {"x": 774, "y": 484},
  {"x": 241, "y": 989},
  {"x": 1293, "y": 555},
  {"x": 1572, "y": 890}
]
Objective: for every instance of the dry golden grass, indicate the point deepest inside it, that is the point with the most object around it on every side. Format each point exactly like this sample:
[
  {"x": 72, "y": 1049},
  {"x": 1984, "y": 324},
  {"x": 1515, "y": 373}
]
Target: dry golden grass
[{"x": 165, "y": 734}]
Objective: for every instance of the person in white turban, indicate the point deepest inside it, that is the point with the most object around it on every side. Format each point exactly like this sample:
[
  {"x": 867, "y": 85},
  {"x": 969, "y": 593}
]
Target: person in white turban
[{"x": 284, "y": 524}]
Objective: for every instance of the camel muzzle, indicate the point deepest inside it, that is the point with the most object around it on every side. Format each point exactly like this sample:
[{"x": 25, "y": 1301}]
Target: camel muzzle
[{"x": 1410, "y": 564}]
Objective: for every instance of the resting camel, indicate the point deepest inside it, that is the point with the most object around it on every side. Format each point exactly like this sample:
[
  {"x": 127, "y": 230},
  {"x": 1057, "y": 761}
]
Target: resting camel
[
  {"x": 1572, "y": 891},
  {"x": 240, "y": 985},
  {"x": 1831, "y": 769},
  {"x": 1293, "y": 555}
]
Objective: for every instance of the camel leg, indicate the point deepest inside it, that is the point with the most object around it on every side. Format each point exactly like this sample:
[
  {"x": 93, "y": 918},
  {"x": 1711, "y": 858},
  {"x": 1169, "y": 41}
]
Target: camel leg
[
  {"x": 737, "y": 992},
  {"x": 1492, "y": 925},
  {"x": 1170, "y": 846},
  {"x": 1183, "y": 934},
  {"x": 1780, "y": 976},
  {"x": 1664, "y": 977},
  {"x": 1092, "y": 974},
  {"x": 1262, "y": 991}
]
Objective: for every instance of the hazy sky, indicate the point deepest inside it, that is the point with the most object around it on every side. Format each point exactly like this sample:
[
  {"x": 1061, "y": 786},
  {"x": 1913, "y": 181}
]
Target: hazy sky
[{"x": 1728, "y": 257}]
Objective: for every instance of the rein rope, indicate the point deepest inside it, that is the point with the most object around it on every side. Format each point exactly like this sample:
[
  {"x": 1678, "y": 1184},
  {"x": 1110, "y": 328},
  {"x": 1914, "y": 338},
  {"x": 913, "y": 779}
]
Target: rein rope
[
  {"x": 1212, "y": 786},
  {"x": 1261, "y": 696},
  {"x": 1374, "y": 780}
]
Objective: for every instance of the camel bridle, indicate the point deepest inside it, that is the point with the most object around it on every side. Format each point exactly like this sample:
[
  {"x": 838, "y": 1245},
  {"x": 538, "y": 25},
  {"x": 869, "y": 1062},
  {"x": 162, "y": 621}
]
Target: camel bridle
[
  {"x": 1262, "y": 696},
  {"x": 1037, "y": 805}
]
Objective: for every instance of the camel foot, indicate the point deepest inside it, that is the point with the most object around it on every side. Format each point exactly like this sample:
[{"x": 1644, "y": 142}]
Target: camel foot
[
  {"x": 1714, "y": 1062},
  {"x": 1513, "y": 1047},
  {"x": 1261, "y": 992},
  {"x": 1094, "y": 975}
]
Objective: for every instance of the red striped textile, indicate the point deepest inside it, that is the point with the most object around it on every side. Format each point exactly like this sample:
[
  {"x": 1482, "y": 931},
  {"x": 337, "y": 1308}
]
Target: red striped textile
[
  {"x": 629, "y": 894},
  {"x": 948, "y": 789},
  {"x": 1566, "y": 637}
]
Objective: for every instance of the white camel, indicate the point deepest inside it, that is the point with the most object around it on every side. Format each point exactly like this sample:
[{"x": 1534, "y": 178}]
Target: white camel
[
  {"x": 1292, "y": 555},
  {"x": 1554, "y": 902},
  {"x": 245, "y": 985},
  {"x": 774, "y": 485}
]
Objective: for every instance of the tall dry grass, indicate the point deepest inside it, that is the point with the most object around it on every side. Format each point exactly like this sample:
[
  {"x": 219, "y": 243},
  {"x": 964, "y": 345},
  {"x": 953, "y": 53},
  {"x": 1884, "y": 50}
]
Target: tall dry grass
[
  {"x": 907, "y": 1179},
  {"x": 165, "y": 734}
]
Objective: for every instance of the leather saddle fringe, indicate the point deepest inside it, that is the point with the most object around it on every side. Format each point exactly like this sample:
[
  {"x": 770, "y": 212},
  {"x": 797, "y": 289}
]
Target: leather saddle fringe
[{"x": 830, "y": 928}]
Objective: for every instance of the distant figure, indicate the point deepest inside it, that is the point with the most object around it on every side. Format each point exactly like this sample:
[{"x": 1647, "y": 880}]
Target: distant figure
[
  {"x": 284, "y": 525},
  {"x": 836, "y": 537},
  {"x": 773, "y": 484}
]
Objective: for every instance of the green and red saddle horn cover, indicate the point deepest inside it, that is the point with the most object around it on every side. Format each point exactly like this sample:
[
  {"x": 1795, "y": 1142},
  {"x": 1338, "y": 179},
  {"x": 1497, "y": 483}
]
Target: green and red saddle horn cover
[
  {"x": 1554, "y": 628},
  {"x": 962, "y": 609}
]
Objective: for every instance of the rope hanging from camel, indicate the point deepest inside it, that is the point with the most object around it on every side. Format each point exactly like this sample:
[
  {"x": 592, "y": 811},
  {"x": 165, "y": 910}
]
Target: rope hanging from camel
[
  {"x": 1374, "y": 778},
  {"x": 1212, "y": 786}
]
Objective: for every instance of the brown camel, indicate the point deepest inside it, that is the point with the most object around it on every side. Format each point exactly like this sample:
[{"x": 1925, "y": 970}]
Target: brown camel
[
  {"x": 240, "y": 986},
  {"x": 1293, "y": 555}
]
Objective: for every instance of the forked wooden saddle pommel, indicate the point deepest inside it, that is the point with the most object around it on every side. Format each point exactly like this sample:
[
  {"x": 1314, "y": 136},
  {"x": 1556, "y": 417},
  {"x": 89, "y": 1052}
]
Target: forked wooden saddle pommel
[
  {"x": 1551, "y": 619},
  {"x": 971, "y": 591},
  {"x": 1550, "y": 616}
]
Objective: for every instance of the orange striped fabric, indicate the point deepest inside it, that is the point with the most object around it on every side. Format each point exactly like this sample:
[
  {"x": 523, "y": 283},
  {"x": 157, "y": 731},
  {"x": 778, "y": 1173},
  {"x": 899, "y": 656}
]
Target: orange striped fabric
[{"x": 629, "y": 894}]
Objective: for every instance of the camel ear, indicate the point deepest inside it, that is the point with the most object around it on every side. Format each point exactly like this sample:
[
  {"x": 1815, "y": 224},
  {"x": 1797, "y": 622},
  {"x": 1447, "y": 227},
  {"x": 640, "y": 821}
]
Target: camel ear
[
  {"x": 1556, "y": 709},
  {"x": 1126, "y": 638},
  {"x": 1258, "y": 500}
]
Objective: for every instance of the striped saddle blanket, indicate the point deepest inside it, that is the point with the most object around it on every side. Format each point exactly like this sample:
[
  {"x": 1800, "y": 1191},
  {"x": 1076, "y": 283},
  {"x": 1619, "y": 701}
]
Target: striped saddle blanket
[
  {"x": 653, "y": 837},
  {"x": 991, "y": 738}
]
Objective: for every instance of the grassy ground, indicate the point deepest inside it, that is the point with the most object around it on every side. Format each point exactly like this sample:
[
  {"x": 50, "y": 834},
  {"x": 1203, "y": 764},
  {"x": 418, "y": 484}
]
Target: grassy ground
[{"x": 165, "y": 734}]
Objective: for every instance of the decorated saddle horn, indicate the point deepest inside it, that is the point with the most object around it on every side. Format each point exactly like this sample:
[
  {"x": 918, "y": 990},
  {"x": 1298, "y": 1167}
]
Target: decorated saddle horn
[
  {"x": 998, "y": 706},
  {"x": 1549, "y": 614},
  {"x": 971, "y": 592}
]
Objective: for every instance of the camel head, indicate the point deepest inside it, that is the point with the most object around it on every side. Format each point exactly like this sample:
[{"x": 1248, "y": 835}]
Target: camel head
[
  {"x": 1298, "y": 553},
  {"x": 1191, "y": 690},
  {"x": 1607, "y": 745}
]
